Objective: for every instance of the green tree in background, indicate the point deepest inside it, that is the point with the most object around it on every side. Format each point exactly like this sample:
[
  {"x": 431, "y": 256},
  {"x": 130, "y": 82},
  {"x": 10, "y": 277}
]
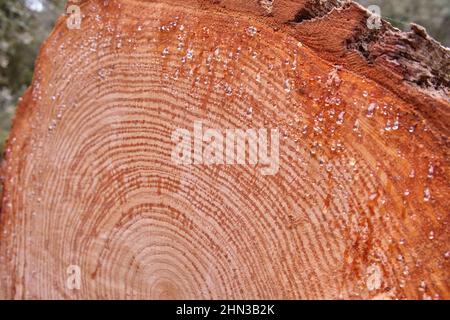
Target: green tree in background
[{"x": 24, "y": 24}]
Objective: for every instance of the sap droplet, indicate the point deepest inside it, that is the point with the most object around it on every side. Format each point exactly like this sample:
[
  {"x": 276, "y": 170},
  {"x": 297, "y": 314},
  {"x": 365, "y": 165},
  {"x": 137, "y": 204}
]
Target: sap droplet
[
  {"x": 340, "y": 118},
  {"x": 165, "y": 52},
  {"x": 228, "y": 90},
  {"x": 388, "y": 126},
  {"x": 305, "y": 129},
  {"x": 422, "y": 286},
  {"x": 287, "y": 86},
  {"x": 176, "y": 75},
  {"x": 333, "y": 78},
  {"x": 251, "y": 31},
  {"x": 371, "y": 109},
  {"x": 352, "y": 162},
  {"x": 430, "y": 171},
  {"x": 431, "y": 235},
  {"x": 102, "y": 73},
  {"x": 426, "y": 194},
  {"x": 189, "y": 54},
  {"x": 396, "y": 124},
  {"x": 405, "y": 271},
  {"x": 52, "y": 125},
  {"x": 356, "y": 125}
]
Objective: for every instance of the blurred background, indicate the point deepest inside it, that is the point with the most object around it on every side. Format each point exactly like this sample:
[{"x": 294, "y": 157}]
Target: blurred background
[{"x": 24, "y": 24}]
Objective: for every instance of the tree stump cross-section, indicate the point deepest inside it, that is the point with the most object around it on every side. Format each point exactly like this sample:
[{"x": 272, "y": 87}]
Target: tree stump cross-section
[{"x": 95, "y": 207}]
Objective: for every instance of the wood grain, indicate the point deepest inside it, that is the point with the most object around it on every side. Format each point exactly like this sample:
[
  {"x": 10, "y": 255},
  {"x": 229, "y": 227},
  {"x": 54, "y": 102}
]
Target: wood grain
[{"x": 357, "y": 210}]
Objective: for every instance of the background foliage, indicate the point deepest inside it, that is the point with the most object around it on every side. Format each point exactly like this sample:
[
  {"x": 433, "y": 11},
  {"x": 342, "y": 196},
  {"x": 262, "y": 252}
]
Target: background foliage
[{"x": 24, "y": 24}]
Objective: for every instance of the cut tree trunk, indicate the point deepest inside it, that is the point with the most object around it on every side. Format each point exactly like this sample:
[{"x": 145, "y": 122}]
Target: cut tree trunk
[{"x": 359, "y": 207}]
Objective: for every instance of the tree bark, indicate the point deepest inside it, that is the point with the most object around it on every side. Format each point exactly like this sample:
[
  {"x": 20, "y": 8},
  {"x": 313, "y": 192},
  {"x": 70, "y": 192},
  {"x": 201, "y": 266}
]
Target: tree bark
[{"x": 357, "y": 209}]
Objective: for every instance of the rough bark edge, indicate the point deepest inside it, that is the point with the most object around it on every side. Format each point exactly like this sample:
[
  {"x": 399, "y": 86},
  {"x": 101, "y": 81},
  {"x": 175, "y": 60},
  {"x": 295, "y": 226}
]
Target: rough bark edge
[{"x": 425, "y": 62}]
